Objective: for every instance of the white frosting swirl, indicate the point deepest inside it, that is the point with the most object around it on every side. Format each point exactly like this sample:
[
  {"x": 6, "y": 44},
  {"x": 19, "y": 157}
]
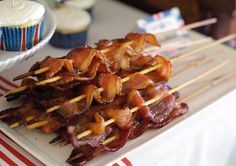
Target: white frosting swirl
[
  {"x": 21, "y": 13},
  {"x": 71, "y": 20},
  {"x": 83, "y": 4}
]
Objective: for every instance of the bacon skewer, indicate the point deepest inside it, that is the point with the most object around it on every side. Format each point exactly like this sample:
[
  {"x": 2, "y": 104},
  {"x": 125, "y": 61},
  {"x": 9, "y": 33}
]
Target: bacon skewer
[
  {"x": 157, "y": 98},
  {"x": 186, "y": 27},
  {"x": 105, "y": 142},
  {"x": 219, "y": 41}
]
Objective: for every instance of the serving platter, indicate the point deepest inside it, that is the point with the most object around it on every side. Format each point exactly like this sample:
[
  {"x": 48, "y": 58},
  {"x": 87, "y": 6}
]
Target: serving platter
[
  {"x": 37, "y": 143},
  {"x": 10, "y": 58}
]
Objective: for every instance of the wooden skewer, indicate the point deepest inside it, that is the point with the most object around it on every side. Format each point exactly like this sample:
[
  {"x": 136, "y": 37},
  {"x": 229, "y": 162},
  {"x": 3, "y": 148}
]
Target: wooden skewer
[
  {"x": 219, "y": 41},
  {"x": 105, "y": 142},
  {"x": 150, "y": 50},
  {"x": 13, "y": 3},
  {"x": 44, "y": 82},
  {"x": 186, "y": 27},
  {"x": 30, "y": 73},
  {"x": 37, "y": 124},
  {"x": 157, "y": 98},
  {"x": 193, "y": 65},
  {"x": 27, "y": 119},
  {"x": 215, "y": 81},
  {"x": 191, "y": 26}
]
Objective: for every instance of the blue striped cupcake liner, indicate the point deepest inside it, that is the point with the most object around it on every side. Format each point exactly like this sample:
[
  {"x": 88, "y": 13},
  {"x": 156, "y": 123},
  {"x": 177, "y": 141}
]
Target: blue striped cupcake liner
[
  {"x": 69, "y": 40},
  {"x": 21, "y": 39}
]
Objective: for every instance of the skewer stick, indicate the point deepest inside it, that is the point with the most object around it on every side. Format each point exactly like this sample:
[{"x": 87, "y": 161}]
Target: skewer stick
[
  {"x": 189, "y": 26},
  {"x": 27, "y": 119},
  {"x": 13, "y": 3},
  {"x": 36, "y": 72},
  {"x": 105, "y": 142},
  {"x": 44, "y": 82},
  {"x": 215, "y": 81},
  {"x": 176, "y": 46},
  {"x": 219, "y": 41},
  {"x": 123, "y": 80},
  {"x": 193, "y": 65},
  {"x": 37, "y": 124},
  {"x": 157, "y": 98}
]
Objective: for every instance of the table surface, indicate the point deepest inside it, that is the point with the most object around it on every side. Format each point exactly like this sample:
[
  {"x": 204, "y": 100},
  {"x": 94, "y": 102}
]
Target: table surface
[{"x": 113, "y": 19}]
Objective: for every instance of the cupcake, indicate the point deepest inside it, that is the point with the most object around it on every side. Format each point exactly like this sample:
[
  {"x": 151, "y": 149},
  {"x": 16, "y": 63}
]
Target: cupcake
[
  {"x": 21, "y": 24},
  {"x": 72, "y": 27},
  {"x": 81, "y": 4}
]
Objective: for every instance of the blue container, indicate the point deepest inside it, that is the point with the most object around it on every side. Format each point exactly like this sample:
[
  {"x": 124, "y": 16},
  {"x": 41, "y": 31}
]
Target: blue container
[
  {"x": 69, "y": 40},
  {"x": 21, "y": 39}
]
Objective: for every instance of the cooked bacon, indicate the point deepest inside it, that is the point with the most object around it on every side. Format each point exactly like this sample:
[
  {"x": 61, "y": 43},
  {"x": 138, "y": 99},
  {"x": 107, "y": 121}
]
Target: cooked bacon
[
  {"x": 140, "y": 40},
  {"x": 82, "y": 58},
  {"x": 142, "y": 61},
  {"x": 122, "y": 117},
  {"x": 54, "y": 123},
  {"x": 56, "y": 65},
  {"x": 91, "y": 140},
  {"x": 91, "y": 93},
  {"x": 163, "y": 74},
  {"x": 68, "y": 109},
  {"x": 98, "y": 127},
  {"x": 90, "y": 152},
  {"x": 111, "y": 85},
  {"x": 136, "y": 81},
  {"x": 135, "y": 99}
]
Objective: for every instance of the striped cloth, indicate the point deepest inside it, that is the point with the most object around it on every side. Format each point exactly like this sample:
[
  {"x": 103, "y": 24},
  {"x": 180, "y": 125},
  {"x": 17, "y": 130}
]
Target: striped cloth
[{"x": 13, "y": 155}]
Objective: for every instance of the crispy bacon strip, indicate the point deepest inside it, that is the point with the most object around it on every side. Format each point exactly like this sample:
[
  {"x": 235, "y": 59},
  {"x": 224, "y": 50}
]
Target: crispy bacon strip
[
  {"x": 136, "y": 81},
  {"x": 142, "y": 61},
  {"x": 111, "y": 85},
  {"x": 98, "y": 127},
  {"x": 135, "y": 99},
  {"x": 123, "y": 117},
  {"x": 92, "y": 140},
  {"x": 82, "y": 58},
  {"x": 164, "y": 73},
  {"x": 91, "y": 93},
  {"x": 90, "y": 152},
  {"x": 140, "y": 40},
  {"x": 56, "y": 65}
]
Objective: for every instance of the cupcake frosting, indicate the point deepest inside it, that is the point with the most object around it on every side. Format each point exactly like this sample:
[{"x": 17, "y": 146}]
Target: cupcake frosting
[
  {"x": 84, "y": 4},
  {"x": 23, "y": 12},
  {"x": 70, "y": 20}
]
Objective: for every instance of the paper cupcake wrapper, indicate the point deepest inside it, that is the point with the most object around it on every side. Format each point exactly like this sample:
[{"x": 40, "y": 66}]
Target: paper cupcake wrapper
[
  {"x": 69, "y": 40},
  {"x": 21, "y": 39}
]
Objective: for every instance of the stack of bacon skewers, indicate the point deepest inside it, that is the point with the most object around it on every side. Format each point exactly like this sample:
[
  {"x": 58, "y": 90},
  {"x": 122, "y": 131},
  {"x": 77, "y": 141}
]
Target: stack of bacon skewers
[{"x": 92, "y": 91}]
